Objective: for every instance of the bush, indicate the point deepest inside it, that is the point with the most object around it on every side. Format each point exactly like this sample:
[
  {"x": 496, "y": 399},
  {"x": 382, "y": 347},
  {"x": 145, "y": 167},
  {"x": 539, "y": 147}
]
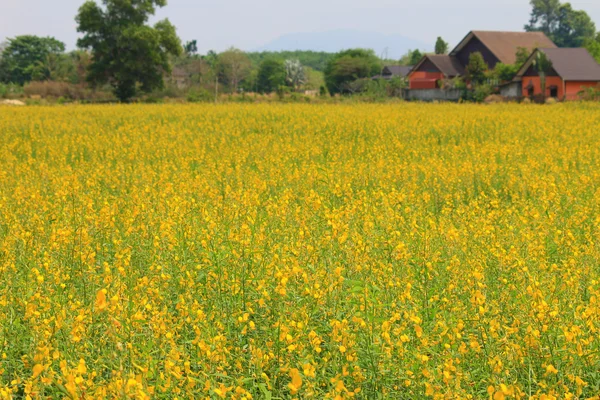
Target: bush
[
  {"x": 10, "y": 90},
  {"x": 66, "y": 92},
  {"x": 199, "y": 96}
]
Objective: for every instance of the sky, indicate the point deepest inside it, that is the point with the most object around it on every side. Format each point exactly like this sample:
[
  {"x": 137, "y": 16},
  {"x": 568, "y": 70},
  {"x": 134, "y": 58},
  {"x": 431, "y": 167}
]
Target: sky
[{"x": 249, "y": 24}]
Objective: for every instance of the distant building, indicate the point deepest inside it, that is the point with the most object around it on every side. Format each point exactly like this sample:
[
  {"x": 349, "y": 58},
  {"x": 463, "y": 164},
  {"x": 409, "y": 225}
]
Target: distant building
[
  {"x": 573, "y": 70},
  {"x": 495, "y": 47},
  {"x": 394, "y": 71}
]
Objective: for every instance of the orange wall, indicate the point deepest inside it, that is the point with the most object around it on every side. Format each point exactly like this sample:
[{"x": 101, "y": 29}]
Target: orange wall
[
  {"x": 537, "y": 85},
  {"x": 416, "y": 80},
  {"x": 573, "y": 88}
]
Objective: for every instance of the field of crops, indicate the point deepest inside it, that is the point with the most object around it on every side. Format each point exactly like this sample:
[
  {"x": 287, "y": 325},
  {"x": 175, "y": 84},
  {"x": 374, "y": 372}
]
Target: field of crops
[{"x": 299, "y": 251}]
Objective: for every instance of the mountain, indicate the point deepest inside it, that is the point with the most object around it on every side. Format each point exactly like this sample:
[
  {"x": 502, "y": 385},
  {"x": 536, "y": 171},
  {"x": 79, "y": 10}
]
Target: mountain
[{"x": 334, "y": 41}]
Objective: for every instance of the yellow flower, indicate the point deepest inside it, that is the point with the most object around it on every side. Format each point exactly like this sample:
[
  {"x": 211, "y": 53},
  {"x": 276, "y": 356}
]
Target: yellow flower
[{"x": 296, "y": 382}]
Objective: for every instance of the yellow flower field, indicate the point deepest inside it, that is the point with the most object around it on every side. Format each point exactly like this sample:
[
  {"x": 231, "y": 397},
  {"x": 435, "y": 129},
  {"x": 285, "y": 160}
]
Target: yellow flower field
[{"x": 299, "y": 251}]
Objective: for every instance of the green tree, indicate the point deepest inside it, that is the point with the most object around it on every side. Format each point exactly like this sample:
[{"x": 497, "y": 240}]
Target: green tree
[
  {"x": 574, "y": 27},
  {"x": 544, "y": 16},
  {"x": 415, "y": 57},
  {"x": 348, "y": 66},
  {"x": 22, "y": 57},
  {"x": 191, "y": 48},
  {"x": 593, "y": 46},
  {"x": 543, "y": 66},
  {"x": 127, "y": 53},
  {"x": 234, "y": 66},
  {"x": 271, "y": 75},
  {"x": 476, "y": 68},
  {"x": 441, "y": 47},
  {"x": 565, "y": 26}
]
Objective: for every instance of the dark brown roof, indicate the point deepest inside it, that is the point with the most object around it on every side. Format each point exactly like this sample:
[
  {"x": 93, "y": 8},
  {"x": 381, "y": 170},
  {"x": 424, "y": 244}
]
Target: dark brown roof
[
  {"x": 504, "y": 45},
  {"x": 448, "y": 65},
  {"x": 573, "y": 64},
  {"x": 397, "y": 70}
]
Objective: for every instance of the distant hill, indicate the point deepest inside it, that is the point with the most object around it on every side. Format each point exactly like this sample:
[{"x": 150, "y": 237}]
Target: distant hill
[{"x": 334, "y": 41}]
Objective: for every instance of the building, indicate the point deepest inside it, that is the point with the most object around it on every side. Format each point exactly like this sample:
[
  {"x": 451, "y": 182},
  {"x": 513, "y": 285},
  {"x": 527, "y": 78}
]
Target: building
[
  {"x": 572, "y": 70},
  {"x": 432, "y": 69},
  {"x": 495, "y": 47},
  {"x": 394, "y": 71}
]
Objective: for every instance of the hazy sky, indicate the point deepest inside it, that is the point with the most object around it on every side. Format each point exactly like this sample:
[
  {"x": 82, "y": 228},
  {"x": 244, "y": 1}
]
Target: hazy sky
[{"x": 248, "y": 24}]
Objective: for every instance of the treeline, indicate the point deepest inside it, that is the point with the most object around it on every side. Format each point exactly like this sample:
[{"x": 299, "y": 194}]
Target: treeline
[{"x": 121, "y": 57}]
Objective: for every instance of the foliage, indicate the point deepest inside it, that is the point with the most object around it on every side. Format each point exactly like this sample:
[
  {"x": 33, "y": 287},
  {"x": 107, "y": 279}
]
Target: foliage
[
  {"x": 476, "y": 68},
  {"x": 8, "y": 90},
  {"x": 347, "y": 67},
  {"x": 412, "y": 57},
  {"x": 415, "y": 57},
  {"x": 314, "y": 79},
  {"x": 23, "y": 57},
  {"x": 199, "y": 95},
  {"x": 574, "y": 27},
  {"x": 593, "y": 46},
  {"x": 506, "y": 72},
  {"x": 294, "y": 73},
  {"x": 190, "y": 48},
  {"x": 127, "y": 53},
  {"x": 300, "y": 251},
  {"x": 543, "y": 66},
  {"x": 271, "y": 75},
  {"x": 316, "y": 60},
  {"x": 234, "y": 66},
  {"x": 561, "y": 23},
  {"x": 441, "y": 47}
]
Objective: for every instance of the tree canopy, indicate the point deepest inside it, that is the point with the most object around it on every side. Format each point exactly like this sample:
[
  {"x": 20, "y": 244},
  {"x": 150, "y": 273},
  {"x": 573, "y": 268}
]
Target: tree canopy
[
  {"x": 441, "y": 47},
  {"x": 565, "y": 26},
  {"x": 127, "y": 53},
  {"x": 24, "y": 57},
  {"x": 476, "y": 68},
  {"x": 348, "y": 66},
  {"x": 271, "y": 75}
]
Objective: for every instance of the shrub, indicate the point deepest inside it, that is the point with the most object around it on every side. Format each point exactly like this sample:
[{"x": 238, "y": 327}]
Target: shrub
[{"x": 199, "y": 96}]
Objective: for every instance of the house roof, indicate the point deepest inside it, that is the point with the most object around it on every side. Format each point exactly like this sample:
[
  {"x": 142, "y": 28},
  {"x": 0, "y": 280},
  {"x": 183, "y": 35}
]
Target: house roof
[
  {"x": 397, "y": 70},
  {"x": 448, "y": 65},
  {"x": 504, "y": 45},
  {"x": 571, "y": 64}
]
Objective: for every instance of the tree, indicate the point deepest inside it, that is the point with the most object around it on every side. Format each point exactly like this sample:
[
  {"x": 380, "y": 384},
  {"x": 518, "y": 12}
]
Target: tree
[
  {"x": 234, "y": 67},
  {"x": 127, "y": 53},
  {"x": 543, "y": 66},
  {"x": 544, "y": 16},
  {"x": 294, "y": 73},
  {"x": 574, "y": 27},
  {"x": 476, "y": 68},
  {"x": 415, "y": 57},
  {"x": 191, "y": 48},
  {"x": 593, "y": 46},
  {"x": 441, "y": 47},
  {"x": 348, "y": 66},
  {"x": 565, "y": 26},
  {"x": 23, "y": 55},
  {"x": 271, "y": 75}
]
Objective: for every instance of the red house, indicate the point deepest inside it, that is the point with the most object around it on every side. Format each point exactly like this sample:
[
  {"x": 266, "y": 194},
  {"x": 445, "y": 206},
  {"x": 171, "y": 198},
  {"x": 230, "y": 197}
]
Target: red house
[
  {"x": 495, "y": 47},
  {"x": 572, "y": 71}
]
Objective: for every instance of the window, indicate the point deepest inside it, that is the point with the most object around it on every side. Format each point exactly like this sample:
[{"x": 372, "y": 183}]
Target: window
[{"x": 553, "y": 91}]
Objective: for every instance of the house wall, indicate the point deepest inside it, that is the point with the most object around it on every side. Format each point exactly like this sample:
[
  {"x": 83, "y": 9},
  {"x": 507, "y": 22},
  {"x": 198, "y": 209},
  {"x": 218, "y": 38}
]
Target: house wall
[
  {"x": 511, "y": 90},
  {"x": 574, "y": 87},
  {"x": 424, "y": 80},
  {"x": 432, "y": 94},
  {"x": 537, "y": 85},
  {"x": 475, "y": 45}
]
